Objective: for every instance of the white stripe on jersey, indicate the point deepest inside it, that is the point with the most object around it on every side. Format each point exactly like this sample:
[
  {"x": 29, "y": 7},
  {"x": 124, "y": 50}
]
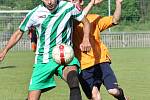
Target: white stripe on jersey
[{"x": 61, "y": 27}]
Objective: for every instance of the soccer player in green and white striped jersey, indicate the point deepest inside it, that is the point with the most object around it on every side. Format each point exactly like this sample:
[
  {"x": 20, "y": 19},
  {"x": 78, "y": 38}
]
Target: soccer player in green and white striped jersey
[{"x": 53, "y": 23}]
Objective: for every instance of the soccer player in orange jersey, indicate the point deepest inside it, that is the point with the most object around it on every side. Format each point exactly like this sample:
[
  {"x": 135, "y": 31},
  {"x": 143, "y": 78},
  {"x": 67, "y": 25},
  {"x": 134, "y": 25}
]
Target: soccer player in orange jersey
[
  {"x": 95, "y": 65},
  {"x": 33, "y": 37}
]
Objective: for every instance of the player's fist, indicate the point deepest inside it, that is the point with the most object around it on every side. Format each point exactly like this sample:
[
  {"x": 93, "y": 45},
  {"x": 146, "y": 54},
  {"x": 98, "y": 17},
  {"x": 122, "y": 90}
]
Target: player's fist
[
  {"x": 2, "y": 55},
  {"x": 85, "y": 46},
  {"x": 98, "y": 1},
  {"x": 94, "y": 2}
]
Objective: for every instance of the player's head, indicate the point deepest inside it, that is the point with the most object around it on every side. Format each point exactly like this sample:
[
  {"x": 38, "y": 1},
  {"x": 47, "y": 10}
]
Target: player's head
[{"x": 50, "y": 4}]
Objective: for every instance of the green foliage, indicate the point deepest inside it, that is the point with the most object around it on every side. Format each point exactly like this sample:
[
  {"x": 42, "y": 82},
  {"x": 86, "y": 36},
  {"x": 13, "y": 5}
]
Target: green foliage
[
  {"x": 130, "y": 10},
  {"x": 23, "y": 4},
  {"x": 133, "y": 11},
  {"x": 20, "y": 4},
  {"x": 36, "y": 2}
]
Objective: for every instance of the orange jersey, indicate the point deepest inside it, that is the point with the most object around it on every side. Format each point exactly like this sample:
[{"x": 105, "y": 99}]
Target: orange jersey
[{"x": 99, "y": 52}]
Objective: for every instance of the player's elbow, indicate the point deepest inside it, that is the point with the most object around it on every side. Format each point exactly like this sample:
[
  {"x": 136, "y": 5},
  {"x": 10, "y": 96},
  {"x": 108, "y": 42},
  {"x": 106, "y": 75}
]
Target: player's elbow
[{"x": 115, "y": 21}]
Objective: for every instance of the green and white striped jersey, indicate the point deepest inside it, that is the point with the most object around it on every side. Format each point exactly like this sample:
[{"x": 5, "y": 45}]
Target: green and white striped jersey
[{"x": 51, "y": 27}]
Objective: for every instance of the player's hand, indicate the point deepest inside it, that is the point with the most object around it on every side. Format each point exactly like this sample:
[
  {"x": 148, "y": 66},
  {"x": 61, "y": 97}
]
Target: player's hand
[
  {"x": 92, "y": 2},
  {"x": 97, "y": 1},
  {"x": 85, "y": 45},
  {"x": 2, "y": 55}
]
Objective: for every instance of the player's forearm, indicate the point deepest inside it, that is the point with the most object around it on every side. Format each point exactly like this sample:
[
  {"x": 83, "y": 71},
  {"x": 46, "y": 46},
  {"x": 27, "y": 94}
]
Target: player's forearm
[
  {"x": 88, "y": 8},
  {"x": 85, "y": 45},
  {"x": 13, "y": 40},
  {"x": 117, "y": 13},
  {"x": 90, "y": 5},
  {"x": 86, "y": 30}
]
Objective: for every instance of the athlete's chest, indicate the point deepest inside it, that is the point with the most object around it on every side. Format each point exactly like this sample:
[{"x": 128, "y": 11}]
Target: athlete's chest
[{"x": 47, "y": 20}]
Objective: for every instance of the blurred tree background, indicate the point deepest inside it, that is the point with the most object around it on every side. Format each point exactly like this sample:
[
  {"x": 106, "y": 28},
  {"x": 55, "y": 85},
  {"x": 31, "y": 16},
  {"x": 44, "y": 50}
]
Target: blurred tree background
[
  {"x": 18, "y": 4},
  {"x": 134, "y": 12}
]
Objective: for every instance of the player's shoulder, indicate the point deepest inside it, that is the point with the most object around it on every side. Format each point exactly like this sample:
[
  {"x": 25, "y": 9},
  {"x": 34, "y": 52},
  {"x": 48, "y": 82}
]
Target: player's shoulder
[
  {"x": 40, "y": 11},
  {"x": 107, "y": 19},
  {"x": 31, "y": 12},
  {"x": 93, "y": 17}
]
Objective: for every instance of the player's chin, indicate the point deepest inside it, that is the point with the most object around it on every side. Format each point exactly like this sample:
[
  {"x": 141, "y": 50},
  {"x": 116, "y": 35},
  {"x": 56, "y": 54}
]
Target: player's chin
[{"x": 51, "y": 8}]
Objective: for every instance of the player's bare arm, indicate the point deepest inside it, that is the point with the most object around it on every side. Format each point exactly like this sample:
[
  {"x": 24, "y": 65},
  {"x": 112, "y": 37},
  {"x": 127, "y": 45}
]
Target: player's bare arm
[
  {"x": 13, "y": 40},
  {"x": 90, "y": 5},
  {"x": 117, "y": 12},
  {"x": 85, "y": 45}
]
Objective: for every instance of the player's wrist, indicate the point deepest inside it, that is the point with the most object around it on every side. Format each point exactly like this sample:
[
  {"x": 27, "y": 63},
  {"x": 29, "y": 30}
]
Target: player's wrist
[
  {"x": 86, "y": 40},
  {"x": 118, "y": 3},
  {"x": 91, "y": 4},
  {"x": 4, "y": 51}
]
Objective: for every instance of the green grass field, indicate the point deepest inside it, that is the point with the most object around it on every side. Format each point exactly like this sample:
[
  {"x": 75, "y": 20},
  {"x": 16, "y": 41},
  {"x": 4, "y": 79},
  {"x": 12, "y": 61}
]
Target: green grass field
[{"x": 131, "y": 66}]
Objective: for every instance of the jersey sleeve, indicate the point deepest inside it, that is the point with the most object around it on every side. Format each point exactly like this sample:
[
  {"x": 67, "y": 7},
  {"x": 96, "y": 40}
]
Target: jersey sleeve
[
  {"x": 28, "y": 21},
  {"x": 105, "y": 23}
]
